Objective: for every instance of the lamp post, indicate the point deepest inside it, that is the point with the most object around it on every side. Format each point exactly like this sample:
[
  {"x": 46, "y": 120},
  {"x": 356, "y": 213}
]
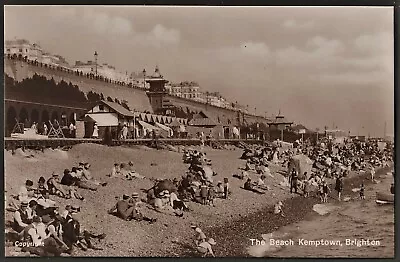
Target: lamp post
[
  {"x": 144, "y": 78},
  {"x": 95, "y": 59}
]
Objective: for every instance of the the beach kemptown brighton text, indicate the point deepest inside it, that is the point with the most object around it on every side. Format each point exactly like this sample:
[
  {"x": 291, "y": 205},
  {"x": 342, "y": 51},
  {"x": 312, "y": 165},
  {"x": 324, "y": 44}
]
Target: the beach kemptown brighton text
[{"x": 316, "y": 243}]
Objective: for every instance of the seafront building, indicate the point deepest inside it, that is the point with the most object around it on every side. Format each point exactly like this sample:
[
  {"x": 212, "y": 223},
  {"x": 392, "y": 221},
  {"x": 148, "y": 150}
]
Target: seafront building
[{"x": 105, "y": 70}]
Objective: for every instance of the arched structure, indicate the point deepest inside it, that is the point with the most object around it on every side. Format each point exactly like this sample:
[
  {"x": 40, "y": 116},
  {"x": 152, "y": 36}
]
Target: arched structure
[
  {"x": 35, "y": 115},
  {"x": 37, "y": 112}
]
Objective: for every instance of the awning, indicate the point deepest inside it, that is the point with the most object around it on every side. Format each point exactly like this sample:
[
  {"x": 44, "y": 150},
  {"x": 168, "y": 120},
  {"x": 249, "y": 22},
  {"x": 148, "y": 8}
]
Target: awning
[
  {"x": 148, "y": 126},
  {"x": 106, "y": 119},
  {"x": 166, "y": 128}
]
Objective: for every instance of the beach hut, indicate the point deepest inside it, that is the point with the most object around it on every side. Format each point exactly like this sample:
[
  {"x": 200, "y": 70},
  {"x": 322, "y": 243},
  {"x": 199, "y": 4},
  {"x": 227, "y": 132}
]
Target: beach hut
[
  {"x": 110, "y": 114},
  {"x": 178, "y": 129}
]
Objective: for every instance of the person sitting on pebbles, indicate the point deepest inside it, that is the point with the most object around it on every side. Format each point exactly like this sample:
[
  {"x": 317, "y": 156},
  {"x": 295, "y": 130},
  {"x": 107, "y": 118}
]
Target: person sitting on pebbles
[
  {"x": 124, "y": 208},
  {"x": 200, "y": 236},
  {"x": 128, "y": 173},
  {"x": 219, "y": 190},
  {"x": 26, "y": 192},
  {"x": 162, "y": 204},
  {"x": 55, "y": 187},
  {"x": 251, "y": 187},
  {"x": 87, "y": 177},
  {"x": 261, "y": 183},
  {"x": 278, "y": 209},
  {"x": 205, "y": 248}
]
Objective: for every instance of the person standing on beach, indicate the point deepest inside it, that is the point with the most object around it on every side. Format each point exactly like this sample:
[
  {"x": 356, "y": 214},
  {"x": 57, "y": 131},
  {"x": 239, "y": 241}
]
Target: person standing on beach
[
  {"x": 124, "y": 132},
  {"x": 362, "y": 190},
  {"x": 293, "y": 180},
  {"x": 372, "y": 174},
  {"x": 95, "y": 131},
  {"x": 339, "y": 186},
  {"x": 326, "y": 190},
  {"x": 226, "y": 188}
]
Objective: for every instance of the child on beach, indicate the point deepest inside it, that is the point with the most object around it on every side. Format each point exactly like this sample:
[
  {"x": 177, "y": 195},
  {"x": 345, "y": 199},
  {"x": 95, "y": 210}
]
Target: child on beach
[
  {"x": 278, "y": 209},
  {"x": 226, "y": 187},
  {"x": 306, "y": 185},
  {"x": 204, "y": 193},
  {"x": 321, "y": 191},
  {"x": 326, "y": 190},
  {"x": 211, "y": 195},
  {"x": 362, "y": 189}
]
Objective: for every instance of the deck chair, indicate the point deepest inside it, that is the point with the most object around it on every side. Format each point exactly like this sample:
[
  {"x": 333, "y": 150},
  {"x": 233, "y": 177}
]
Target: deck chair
[
  {"x": 55, "y": 132},
  {"x": 18, "y": 127}
]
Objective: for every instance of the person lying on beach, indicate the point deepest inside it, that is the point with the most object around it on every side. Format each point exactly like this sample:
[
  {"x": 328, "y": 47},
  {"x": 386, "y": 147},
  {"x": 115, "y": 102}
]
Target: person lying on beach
[
  {"x": 87, "y": 176},
  {"x": 205, "y": 248},
  {"x": 251, "y": 187},
  {"x": 248, "y": 165},
  {"x": 115, "y": 171},
  {"x": 261, "y": 183},
  {"x": 242, "y": 176},
  {"x": 127, "y": 172},
  {"x": 176, "y": 203}
]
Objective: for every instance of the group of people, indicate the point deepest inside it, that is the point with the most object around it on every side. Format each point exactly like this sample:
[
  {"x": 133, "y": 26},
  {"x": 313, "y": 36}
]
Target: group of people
[
  {"x": 43, "y": 228},
  {"x": 124, "y": 171}
]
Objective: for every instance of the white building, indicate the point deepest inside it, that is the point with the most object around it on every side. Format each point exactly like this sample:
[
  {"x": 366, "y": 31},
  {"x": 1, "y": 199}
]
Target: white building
[
  {"x": 186, "y": 89},
  {"x": 105, "y": 70},
  {"x": 22, "y": 48}
]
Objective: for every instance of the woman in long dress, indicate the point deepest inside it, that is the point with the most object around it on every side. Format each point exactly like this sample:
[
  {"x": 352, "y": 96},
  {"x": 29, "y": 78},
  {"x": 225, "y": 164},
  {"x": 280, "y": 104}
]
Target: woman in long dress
[{"x": 95, "y": 131}]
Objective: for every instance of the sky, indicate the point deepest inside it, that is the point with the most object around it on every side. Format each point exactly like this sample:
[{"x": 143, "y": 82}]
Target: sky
[{"x": 319, "y": 66}]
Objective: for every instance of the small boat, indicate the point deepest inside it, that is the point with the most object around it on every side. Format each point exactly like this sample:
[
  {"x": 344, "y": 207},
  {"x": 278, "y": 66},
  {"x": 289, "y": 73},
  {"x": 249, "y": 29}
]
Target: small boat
[{"x": 384, "y": 198}]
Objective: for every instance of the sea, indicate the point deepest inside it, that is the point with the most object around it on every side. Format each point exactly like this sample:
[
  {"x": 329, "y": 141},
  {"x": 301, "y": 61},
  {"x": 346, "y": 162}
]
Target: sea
[{"x": 353, "y": 229}]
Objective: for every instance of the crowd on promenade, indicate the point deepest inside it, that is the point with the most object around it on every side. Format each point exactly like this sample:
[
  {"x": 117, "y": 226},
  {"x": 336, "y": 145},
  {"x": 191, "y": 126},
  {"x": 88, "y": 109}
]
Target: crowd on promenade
[{"x": 38, "y": 219}]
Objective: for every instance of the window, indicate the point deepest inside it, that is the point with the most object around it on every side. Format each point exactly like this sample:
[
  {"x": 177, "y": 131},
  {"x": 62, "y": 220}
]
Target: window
[
  {"x": 26, "y": 50},
  {"x": 20, "y": 50},
  {"x": 8, "y": 50},
  {"x": 101, "y": 107}
]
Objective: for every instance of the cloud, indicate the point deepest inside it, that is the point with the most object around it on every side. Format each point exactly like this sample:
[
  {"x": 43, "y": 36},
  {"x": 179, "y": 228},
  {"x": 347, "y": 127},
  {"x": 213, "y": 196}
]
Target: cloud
[
  {"x": 373, "y": 43},
  {"x": 293, "y": 24},
  {"x": 63, "y": 13},
  {"x": 158, "y": 37},
  {"x": 102, "y": 23},
  {"x": 374, "y": 78},
  {"x": 320, "y": 53}
]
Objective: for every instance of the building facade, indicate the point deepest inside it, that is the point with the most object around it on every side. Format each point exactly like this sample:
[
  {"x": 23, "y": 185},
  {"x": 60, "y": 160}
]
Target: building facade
[
  {"x": 105, "y": 70},
  {"x": 186, "y": 89},
  {"x": 22, "y": 48}
]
